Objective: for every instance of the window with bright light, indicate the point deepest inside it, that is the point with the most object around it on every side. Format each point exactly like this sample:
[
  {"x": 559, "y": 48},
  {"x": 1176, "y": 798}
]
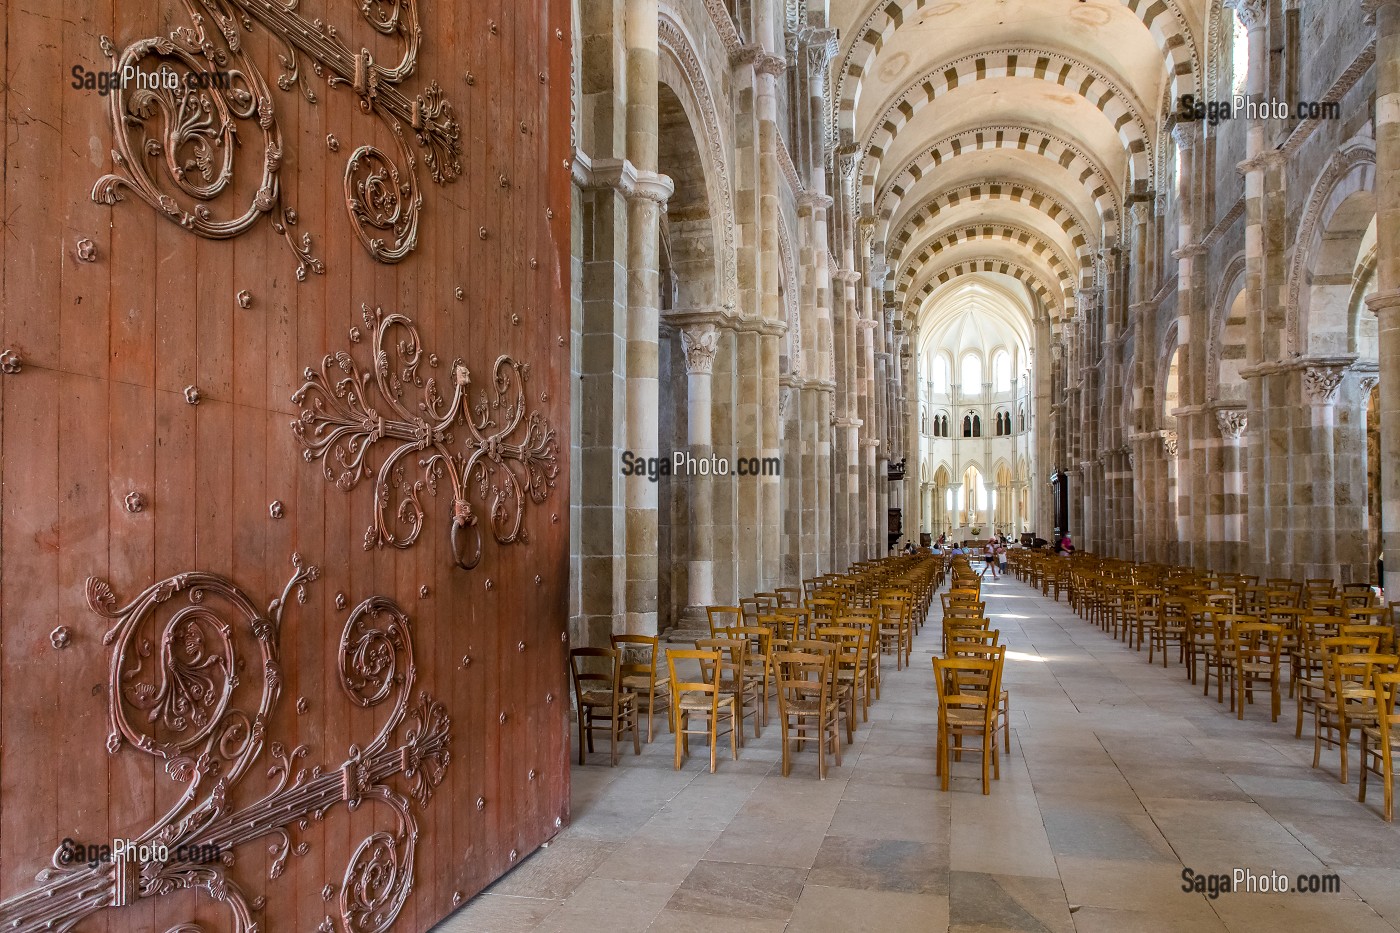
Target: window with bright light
[
  {"x": 940, "y": 374},
  {"x": 971, "y": 374},
  {"x": 1001, "y": 371},
  {"x": 1239, "y": 56}
]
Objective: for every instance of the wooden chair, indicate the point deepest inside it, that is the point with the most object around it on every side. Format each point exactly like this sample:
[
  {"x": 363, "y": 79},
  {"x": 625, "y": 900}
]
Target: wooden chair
[
  {"x": 734, "y": 679},
  {"x": 600, "y": 697},
  {"x": 638, "y": 655},
  {"x": 1171, "y": 625},
  {"x": 980, "y": 646},
  {"x": 758, "y": 661},
  {"x": 789, "y": 596},
  {"x": 1143, "y": 612},
  {"x": 868, "y": 621},
  {"x": 895, "y": 625},
  {"x": 1380, "y": 741},
  {"x": 1317, "y": 637},
  {"x": 967, "y": 689},
  {"x": 700, "y": 697},
  {"x": 723, "y": 617},
  {"x": 807, "y": 708},
  {"x": 842, "y": 691},
  {"x": 1257, "y": 646},
  {"x": 1349, "y": 703},
  {"x": 852, "y": 669}
]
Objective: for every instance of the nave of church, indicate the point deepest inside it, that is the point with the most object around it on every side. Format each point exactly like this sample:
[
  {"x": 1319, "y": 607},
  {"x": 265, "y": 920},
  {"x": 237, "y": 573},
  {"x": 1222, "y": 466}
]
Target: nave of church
[
  {"x": 415, "y": 414},
  {"x": 1121, "y": 775}
]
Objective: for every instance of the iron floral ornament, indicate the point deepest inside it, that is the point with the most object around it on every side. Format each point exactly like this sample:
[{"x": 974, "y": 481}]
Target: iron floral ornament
[
  {"x": 196, "y": 673},
  {"x": 492, "y": 447},
  {"x": 189, "y": 100}
]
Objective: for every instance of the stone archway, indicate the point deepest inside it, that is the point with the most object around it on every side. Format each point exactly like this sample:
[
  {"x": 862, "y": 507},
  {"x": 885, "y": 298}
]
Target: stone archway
[{"x": 691, "y": 264}]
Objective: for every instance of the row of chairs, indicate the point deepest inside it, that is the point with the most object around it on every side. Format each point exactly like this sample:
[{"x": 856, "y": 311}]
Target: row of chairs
[
  {"x": 972, "y": 703},
  {"x": 811, "y": 652},
  {"x": 1333, "y": 648}
]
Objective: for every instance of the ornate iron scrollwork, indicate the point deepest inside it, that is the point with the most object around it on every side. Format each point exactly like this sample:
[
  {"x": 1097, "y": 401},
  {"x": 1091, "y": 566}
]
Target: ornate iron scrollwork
[
  {"x": 494, "y": 444},
  {"x": 187, "y": 162},
  {"x": 176, "y": 693}
]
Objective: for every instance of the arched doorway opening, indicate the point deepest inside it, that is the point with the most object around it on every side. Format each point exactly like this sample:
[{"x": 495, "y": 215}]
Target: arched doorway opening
[{"x": 690, "y": 354}]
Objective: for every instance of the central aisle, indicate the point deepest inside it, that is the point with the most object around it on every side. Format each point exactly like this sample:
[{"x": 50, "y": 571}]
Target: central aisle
[{"x": 1120, "y": 775}]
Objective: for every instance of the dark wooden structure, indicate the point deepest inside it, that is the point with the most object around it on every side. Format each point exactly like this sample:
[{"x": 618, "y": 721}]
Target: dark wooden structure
[{"x": 284, "y": 517}]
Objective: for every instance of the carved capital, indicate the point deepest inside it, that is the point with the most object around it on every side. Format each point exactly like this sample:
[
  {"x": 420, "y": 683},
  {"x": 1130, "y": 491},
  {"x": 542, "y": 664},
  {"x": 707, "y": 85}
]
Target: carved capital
[
  {"x": 650, "y": 186},
  {"x": 1383, "y": 301},
  {"x": 1189, "y": 251},
  {"x": 770, "y": 64},
  {"x": 1270, "y": 158},
  {"x": 699, "y": 343},
  {"x": 846, "y": 158},
  {"x": 1170, "y": 440},
  {"x": 1368, "y": 383},
  {"x": 1321, "y": 384},
  {"x": 1232, "y": 423},
  {"x": 819, "y": 51},
  {"x": 1185, "y": 135},
  {"x": 1251, "y": 12},
  {"x": 812, "y": 201}
]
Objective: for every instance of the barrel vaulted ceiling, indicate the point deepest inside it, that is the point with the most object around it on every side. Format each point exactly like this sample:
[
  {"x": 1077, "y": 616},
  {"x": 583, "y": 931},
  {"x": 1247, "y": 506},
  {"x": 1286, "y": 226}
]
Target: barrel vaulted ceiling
[{"x": 1003, "y": 135}]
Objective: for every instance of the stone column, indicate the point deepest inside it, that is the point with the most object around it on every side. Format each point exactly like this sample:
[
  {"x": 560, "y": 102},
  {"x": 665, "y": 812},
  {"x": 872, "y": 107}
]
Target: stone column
[
  {"x": 1386, "y": 302},
  {"x": 650, "y": 193},
  {"x": 1171, "y": 445},
  {"x": 1270, "y": 496},
  {"x": 1229, "y": 554},
  {"x": 794, "y": 563},
  {"x": 748, "y": 422},
  {"x": 1197, "y": 435},
  {"x": 769, "y": 66},
  {"x": 699, "y": 343},
  {"x": 1317, "y": 556}
]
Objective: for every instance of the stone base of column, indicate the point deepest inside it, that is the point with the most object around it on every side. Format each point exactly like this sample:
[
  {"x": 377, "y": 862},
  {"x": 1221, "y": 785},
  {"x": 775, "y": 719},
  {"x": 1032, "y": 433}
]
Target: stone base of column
[{"x": 694, "y": 622}]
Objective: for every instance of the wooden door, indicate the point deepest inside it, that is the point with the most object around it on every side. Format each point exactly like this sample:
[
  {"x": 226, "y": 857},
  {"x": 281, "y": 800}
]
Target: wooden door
[{"x": 283, "y": 524}]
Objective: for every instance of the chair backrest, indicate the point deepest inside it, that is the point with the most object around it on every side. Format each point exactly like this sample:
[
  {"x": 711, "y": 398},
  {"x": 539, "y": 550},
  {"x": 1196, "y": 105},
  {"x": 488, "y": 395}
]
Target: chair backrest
[
  {"x": 1256, "y": 641},
  {"x": 803, "y": 675},
  {"x": 962, "y": 640},
  {"x": 815, "y": 646},
  {"x": 594, "y": 668},
  {"x": 1386, "y": 685},
  {"x": 824, "y": 609},
  {"x": 1383, "y": 635},
  {"x": 1314, "y": 629},
  {"x": 759, "y": 638},
  {"x": 733, "y": 652},
  {"x": 853, "y": 643},
  {"x": 1355, "y": 670},
  {"x": 789, "y": 596},
  {"x": 630, "y": 647},
  {"x": 969, "y": 683},
  {"x": 708, "y": 683},
  {"x": 723, "y": 617},
  {"x": 1327, "y": 606}
]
